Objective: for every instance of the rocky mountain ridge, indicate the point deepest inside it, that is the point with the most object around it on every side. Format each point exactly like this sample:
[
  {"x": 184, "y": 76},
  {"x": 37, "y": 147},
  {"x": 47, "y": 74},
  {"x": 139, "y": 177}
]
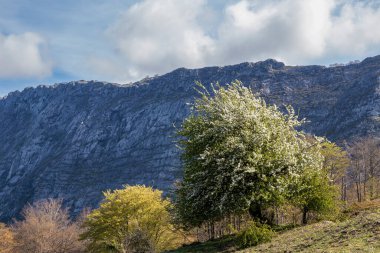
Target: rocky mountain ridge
[{"x": 74, "y": 140}]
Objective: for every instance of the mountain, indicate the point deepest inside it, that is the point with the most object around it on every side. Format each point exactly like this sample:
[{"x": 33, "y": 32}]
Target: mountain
[{"x": 74, "y": 140}]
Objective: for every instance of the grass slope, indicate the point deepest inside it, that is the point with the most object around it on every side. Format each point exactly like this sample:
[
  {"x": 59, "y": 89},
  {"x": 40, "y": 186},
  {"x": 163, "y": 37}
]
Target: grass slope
[
  {"x": 358, "y": 233},
  {"x": 225, "y": 244}
]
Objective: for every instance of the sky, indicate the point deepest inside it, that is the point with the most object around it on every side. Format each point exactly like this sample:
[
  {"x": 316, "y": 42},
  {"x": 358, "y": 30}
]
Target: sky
[{"x": 50, "y": 41}]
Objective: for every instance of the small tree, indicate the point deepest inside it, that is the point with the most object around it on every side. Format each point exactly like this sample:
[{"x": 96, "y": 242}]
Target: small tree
[
  {"x": 47, "y": 228},
  {"x": 239, "y": 154},
  {"x": 336, "y": 163},
  {"x": 312, "y": 191},
  {"x": 133, "y": 219}
]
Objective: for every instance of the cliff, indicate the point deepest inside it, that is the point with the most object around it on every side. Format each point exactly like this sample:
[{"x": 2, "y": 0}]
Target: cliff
[{"x": 74, "y": 140}]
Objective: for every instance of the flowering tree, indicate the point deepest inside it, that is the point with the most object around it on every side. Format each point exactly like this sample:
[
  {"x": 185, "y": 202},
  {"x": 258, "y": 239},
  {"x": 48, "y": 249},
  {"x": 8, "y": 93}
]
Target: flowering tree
[{"x": 239, "y": 154}]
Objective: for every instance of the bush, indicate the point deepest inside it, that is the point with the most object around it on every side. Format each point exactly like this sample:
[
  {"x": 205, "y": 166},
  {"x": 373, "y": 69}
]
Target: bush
[
  {"x": 253, "y": 235},
  {"x": 138, "y": 241},
  {"x": 47, "y": 228}
]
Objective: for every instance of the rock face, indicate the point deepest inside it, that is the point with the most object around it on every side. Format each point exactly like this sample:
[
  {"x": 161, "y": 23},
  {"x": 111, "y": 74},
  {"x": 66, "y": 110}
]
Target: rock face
[{"x": 75, "y": 140}]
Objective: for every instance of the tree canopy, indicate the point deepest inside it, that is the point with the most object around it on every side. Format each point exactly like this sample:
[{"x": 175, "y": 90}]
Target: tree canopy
[
  {"x": 133, "y": 219},
  {"x": 238, "y": 154},
  {"x": 335, "y": 160},
  {"x": 314, "y": 190}
]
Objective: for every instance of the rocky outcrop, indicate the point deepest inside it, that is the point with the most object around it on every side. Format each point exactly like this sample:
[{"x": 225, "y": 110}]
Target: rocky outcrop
[{"x": 74, "y": 140}]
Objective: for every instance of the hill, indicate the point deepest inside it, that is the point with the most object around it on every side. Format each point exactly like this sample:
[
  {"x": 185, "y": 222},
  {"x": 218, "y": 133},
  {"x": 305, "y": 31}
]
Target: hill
[
  {"x": 74, "y": 140},
  {"x": 360, "y": 232}
]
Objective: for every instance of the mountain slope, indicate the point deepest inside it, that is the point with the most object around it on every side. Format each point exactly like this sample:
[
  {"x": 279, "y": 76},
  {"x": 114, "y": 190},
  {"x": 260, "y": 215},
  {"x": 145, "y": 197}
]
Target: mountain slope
[{"x": 74, "y": 140}]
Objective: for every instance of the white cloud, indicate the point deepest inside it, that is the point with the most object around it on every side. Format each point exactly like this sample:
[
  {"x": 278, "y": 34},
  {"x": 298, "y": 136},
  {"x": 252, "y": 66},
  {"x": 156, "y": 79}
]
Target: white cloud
[
  {"x": 292, "y": 30},
  {"x": 23, "y": 56},
  {"x": 299, "y": 31},
  {"x": 157, "y": 36},
  {"x": 355, "y": 30}
]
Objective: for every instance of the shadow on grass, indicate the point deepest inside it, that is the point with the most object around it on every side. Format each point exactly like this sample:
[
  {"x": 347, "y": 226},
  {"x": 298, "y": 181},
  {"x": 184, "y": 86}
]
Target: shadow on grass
[{"x": 223, "y": 244}]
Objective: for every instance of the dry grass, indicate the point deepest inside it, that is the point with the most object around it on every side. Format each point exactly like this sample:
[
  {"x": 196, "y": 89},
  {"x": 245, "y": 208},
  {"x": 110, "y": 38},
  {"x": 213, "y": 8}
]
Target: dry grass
[
  {"x": 360, "y": 233},
  {"x": 366, "y": 205}
]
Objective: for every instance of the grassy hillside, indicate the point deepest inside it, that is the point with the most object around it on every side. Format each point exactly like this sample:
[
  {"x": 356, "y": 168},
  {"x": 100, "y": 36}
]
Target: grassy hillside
[
  {"x": 360, "y": 232},
  {"x": 357, "y": 234}
]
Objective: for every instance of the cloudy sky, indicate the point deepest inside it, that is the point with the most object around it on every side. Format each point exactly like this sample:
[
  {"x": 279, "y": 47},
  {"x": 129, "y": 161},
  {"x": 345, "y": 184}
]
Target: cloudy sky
[{"x": 48, "y": 41}]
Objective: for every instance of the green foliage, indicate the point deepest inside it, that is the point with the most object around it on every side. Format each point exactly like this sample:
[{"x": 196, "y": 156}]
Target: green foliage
[
  {"x": 335, "y": 161},
  {"x": 253, "y": 235},
  {"x": 312, "y": 191},
  {"x": 237, "y": 152},
  {"x": 130, "y": 220}
]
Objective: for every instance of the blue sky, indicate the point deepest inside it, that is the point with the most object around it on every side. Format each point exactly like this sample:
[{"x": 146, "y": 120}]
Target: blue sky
[{"x": 47, "y": 41}]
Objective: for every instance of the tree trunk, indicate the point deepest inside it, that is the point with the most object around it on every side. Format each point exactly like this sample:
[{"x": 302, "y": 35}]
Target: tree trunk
[
  {"x": 359, "y": 188},
  {"x": 365, "y": 184},
  {"x": 277, "y": 216},
  {"x": 212, "y": 230},
  {"x": 208, "y": 231},
  {"x": 345, "y": 192},
  {"x": 358, "y": 191},
  {"x": 304, "y": 215},
  {"x": 371, "y": 174},
  {"x": 255, "y": 212}
]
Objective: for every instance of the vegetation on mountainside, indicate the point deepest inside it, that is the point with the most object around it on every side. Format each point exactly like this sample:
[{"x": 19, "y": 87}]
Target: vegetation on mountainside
[
  {"x": 250, "y": 176},
  {"x": 359, "y": 231}
]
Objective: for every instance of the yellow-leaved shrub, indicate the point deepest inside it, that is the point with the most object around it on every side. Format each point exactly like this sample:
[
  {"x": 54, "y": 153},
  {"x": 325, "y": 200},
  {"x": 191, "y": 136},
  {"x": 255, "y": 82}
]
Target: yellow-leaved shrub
[{"x": 133, "y": 219}]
